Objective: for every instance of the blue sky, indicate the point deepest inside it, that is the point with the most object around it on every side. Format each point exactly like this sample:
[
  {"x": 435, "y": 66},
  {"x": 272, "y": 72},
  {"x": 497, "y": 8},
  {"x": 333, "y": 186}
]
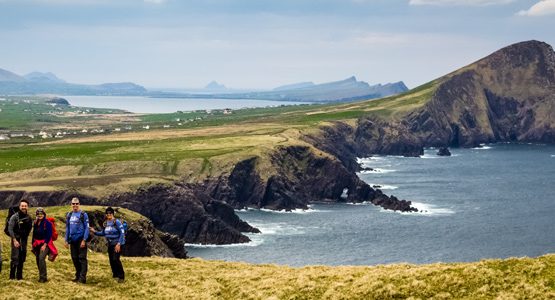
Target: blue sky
[{"x": 261, "y": 43}]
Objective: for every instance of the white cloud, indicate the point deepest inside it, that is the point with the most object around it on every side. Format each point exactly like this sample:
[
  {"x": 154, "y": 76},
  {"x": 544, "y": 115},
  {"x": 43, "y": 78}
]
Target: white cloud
[
  {"x": 459, "y": 2},
  {"x": 542, "y": 8}
]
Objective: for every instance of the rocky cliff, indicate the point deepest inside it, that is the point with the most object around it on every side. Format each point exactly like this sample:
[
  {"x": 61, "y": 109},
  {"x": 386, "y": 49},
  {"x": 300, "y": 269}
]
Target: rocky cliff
[
  {"x": 508, "y": 96},
  {"x": 302, "y": 175}
]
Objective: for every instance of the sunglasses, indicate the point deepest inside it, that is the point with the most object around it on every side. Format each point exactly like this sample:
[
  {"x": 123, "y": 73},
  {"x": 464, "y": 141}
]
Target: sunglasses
[{"x": 74, "y": 203}]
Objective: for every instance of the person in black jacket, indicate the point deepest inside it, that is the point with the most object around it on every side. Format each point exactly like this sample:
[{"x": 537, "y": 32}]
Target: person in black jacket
[
  {"x": 42, "y": 234},
  {"x": 19, "y": 227}
]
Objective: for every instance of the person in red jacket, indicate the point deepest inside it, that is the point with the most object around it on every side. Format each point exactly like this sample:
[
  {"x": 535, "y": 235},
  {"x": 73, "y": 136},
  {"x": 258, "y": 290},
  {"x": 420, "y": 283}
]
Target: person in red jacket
[{"x": 42, "y": 235}]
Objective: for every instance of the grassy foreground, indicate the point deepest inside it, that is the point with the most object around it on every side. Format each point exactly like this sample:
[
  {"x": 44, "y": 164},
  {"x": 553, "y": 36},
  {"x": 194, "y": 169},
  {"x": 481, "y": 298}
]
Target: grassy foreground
[
  {"x": 530, "y": 278},
  {"x": 167, "y": 278}
]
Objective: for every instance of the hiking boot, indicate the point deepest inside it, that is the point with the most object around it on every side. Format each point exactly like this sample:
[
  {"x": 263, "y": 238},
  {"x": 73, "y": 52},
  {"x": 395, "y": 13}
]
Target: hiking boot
[
  {"x": 75, "y": 280},
  {"x": 83, "y": 281},
  {"x": 121, "y": 280},
  {"x": 43, "y": 280}
]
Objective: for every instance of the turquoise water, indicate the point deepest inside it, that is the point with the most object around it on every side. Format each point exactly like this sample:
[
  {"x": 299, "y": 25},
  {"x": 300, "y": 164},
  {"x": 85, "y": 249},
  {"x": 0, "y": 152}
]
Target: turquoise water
[
  {"x": 168, "y": 105},
  {"x": 494, "y": 202}
]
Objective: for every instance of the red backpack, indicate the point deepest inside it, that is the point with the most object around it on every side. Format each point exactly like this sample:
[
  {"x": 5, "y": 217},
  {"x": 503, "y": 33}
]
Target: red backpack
[{"x": 54, "y": 231}]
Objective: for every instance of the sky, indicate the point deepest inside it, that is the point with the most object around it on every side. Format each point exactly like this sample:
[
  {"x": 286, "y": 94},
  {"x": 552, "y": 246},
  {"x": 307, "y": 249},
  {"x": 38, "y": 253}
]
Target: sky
[{"x": 261, "y": 44}]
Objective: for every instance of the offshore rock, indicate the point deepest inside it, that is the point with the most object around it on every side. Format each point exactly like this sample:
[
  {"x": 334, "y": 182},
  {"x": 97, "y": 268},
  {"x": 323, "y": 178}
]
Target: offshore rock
[{"x": 443, "y": 151}]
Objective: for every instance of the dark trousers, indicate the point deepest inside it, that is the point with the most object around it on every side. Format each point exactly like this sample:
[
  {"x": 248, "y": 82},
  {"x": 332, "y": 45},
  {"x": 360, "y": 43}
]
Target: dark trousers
[
  {"x": 79, "y": 258},
  {"x": 41, "y": 261},
  {"x": 115, "y": 262},
  {"x": 18, "y": 257}
]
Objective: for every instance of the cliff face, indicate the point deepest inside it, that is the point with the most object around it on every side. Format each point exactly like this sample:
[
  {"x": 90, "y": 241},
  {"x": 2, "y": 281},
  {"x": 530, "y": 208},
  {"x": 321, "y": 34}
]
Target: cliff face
[
  {"x": 509, "y": 96},
  {"x": 303, "y": 175}
]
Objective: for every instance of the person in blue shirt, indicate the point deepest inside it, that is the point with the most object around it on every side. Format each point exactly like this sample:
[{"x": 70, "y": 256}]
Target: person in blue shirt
[
  {"x": 114, "y": 233},
  {"x": 77, "y": 234}
]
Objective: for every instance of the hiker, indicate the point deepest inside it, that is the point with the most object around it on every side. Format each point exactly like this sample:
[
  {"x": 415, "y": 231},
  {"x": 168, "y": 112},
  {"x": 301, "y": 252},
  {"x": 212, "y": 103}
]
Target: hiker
[
  {"x": 114, "y": 232},
  {"x": 77, "y": 234},
  {"x": 19, "y": 227},
  {"x": 42, "y": 243}
]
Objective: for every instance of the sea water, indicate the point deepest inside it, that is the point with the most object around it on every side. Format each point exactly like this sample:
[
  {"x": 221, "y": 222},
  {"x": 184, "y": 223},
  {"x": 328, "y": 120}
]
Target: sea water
[
  {"x": 140, "y": 104},
  {"x": 497, "y": 201}
]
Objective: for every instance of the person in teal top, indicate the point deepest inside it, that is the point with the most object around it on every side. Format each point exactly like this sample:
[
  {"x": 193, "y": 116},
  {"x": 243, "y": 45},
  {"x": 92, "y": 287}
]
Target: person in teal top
[{"x": 114, "y": 232}]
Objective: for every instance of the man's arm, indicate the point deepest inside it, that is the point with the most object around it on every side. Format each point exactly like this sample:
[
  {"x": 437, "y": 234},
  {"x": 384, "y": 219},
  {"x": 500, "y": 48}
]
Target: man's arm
[
  {"x": 86, "y": 221},
  {"x": 11, "y": 225},
  {"x": 67, "y": 227}
]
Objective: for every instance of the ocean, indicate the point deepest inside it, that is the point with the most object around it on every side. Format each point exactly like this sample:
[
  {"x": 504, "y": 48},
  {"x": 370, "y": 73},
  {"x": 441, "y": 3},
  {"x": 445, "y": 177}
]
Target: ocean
[
  {"x": 138, "y": 104},
  {"x": 497, "y": 201}
]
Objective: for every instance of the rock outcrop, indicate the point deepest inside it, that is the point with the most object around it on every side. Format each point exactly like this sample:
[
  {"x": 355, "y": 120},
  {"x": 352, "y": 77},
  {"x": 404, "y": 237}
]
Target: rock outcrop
[
  {"x": 443, "y": 151},
  {"x": 303, "y": 175},
  {"x": 142, "y": 238}
]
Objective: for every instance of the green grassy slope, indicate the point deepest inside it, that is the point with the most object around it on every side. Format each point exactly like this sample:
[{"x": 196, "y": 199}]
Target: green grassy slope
[{"x": 164, "y": 278}]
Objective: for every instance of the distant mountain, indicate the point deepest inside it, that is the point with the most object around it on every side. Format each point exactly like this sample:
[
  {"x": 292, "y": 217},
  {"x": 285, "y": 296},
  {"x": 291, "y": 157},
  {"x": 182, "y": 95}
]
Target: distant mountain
[
  {"x": 337, "y": 91},
  {"x": 293, "y": 86},
  {"x": 43, "y": 77},
  {"x": 48, "y": 83},
  {"x": 6, "y": 75},
  {"x": 215, "y": 86},
  {"x": 344, "y": 90}
]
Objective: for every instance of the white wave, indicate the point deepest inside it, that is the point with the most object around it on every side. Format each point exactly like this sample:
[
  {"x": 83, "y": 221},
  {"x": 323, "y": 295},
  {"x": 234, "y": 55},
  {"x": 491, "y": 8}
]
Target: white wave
[
  {"x": 277, "y": 229},
  {"x": 482, "y": 147},
  {"x": 359, "y": 203},
  {"x": 383, "y": 186},
  {"x": 431, "y": 209},
  {"x": 430, "y": 156},
  {"x": 253, "y": 243},
  {"x": 362, "y": 160},
  {"x": 294, "y": 211},
  {"x": 423, "y": 210},
  {"x": 377, "y": 171}
]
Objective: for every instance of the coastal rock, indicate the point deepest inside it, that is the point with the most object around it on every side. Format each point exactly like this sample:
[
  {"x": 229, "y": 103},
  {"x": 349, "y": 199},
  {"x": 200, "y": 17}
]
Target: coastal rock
[
  {"x": 303, "y": 175},
  {"x": 444, "y": 151},
  {"x": 142, "y": 239}
]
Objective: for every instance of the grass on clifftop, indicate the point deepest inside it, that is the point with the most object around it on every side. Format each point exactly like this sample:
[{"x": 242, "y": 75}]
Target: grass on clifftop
[{"x": 165, "y": 278}]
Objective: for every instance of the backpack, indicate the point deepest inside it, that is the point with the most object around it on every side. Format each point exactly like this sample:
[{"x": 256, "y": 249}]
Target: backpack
[
  {"x": 82, "y": 219},
  {"x": 11, "y": 211},
  {"x": 52, "y": 221}
]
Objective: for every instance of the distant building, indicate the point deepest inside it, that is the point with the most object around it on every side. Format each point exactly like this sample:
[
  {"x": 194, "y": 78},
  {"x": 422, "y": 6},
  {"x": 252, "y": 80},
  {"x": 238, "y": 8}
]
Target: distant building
[
  {"x": 4, "y": 137},
  {"x": 166, "y": 126},
  {"x": 146, "y": 127},
  {"x": 228, "y": 111}
]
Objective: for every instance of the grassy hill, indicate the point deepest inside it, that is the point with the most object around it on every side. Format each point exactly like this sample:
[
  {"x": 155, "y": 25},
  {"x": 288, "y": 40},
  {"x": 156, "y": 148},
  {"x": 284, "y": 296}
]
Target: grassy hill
[{"x": 165, "y": 278}]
